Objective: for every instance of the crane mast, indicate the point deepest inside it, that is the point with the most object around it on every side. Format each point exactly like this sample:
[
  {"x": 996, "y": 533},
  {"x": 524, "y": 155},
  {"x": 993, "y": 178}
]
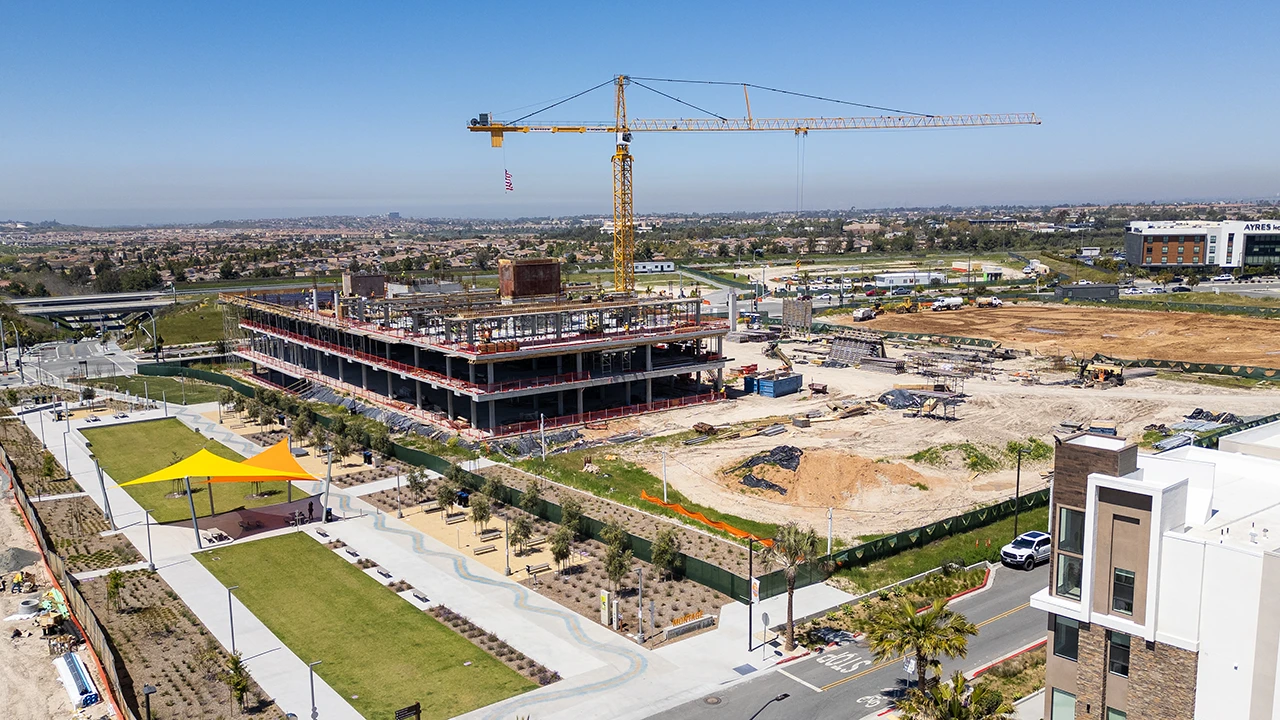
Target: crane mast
[{"x": 624, "y": 239}]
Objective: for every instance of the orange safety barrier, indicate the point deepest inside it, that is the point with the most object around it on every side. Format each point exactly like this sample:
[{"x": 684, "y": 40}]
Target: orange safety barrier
[{"x": 740, "y": 534}]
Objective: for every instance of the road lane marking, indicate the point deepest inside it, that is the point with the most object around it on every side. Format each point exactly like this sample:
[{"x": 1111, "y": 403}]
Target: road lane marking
[
  {"x": 809, "y": 685},
  {"x": 898, "y": 658}
]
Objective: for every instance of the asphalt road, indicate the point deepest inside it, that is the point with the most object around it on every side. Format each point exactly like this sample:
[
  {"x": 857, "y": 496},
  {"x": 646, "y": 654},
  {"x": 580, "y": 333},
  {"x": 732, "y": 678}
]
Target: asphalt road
[
  {"x": 847, "y": 682},
  {"x": 62, "y": 359}
]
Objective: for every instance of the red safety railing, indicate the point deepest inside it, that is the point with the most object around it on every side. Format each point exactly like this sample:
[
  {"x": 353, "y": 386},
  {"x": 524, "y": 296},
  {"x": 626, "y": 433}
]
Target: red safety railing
[
  {"x": 417, "y": 372},
  {"x": 442, "y": 420},
  {"x": 608, "y": 414}
]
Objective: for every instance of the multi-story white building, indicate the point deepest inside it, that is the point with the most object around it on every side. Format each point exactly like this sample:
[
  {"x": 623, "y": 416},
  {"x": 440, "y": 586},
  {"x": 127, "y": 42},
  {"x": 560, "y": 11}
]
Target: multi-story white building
[
  {"x": 1164, "y": 594},
  {"x": 1189, "y": 244}
]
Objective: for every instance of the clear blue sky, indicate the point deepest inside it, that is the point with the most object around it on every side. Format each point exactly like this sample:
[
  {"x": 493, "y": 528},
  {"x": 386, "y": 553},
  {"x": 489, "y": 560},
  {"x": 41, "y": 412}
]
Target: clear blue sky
[{"x": 177, "y": 111}]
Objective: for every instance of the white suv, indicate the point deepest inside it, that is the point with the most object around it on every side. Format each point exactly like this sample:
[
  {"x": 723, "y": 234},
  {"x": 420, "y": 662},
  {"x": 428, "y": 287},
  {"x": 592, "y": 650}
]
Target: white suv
[{"x": 1026, "y": 550}]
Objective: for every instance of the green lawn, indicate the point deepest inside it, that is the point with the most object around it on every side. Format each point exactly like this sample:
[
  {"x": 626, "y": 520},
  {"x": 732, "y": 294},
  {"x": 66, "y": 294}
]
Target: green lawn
[
  {"x": 1208, "y": 298},
  {"x": 622, "y": 481},
  {"x": 376, "y": 649},
  {"x": 961, "y": 546},
  {"x": 127, "y": 452},
  {"x": 169, "y": 388}
]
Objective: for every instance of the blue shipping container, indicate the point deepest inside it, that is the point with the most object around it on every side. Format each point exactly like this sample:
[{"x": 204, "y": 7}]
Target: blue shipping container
[
  {"x": 749, "y": 383},
  {"x": 778, "y": 387}
]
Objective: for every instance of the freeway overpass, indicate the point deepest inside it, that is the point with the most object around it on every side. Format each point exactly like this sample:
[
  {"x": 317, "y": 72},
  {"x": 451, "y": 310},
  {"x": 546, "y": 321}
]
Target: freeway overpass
[{"x": 85, "y": 305}]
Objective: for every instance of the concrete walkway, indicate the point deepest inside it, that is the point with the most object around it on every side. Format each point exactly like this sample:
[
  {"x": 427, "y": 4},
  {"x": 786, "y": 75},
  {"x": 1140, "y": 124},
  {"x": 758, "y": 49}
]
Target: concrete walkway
[
  {"x": 605, "y": 674},
  {"x": 283, "y": 676}
]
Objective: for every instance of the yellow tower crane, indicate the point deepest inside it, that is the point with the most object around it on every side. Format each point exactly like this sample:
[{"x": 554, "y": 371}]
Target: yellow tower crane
[{"x": 624, "y": 239}]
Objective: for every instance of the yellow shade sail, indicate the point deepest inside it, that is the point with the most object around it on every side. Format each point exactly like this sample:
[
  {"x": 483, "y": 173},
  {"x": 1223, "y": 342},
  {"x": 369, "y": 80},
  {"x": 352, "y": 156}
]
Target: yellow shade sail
[
  {"x": 277, "y": 460},
  {"x": 206, "y": 464}
]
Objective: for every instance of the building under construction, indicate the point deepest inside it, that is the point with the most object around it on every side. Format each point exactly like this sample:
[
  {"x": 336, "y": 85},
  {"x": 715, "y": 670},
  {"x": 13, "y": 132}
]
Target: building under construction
[{"x": 488, "y": 363}]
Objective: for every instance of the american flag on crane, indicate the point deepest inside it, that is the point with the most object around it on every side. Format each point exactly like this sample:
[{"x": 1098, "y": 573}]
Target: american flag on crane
[{"x": 510, "y": 187}]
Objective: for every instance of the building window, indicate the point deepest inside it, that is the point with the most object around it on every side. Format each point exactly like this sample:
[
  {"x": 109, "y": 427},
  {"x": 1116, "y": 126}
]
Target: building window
[
  {"x": 1070, "y": 530},
  {"x": 1066, "y": 638},
  {"x": 1165, "y": 249},
  {"x": 1119, "y": 653},
  {"x": 1122, "y": 592},
  {"x": 1148, "y": 259},
  {"x": 1070, "y": 571},
  {"x": 1064, "y": 706},
  {"x": 1114, "y": 714}
]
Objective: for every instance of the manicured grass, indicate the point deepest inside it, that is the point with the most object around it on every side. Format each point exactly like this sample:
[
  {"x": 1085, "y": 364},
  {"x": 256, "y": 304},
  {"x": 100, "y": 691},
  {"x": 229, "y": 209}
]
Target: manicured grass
[
  {"x": 169, "y": 388},
  {"x": 622, "y": 480},
  {"x": 127, "y": 452},
  {"x": 199, "y": 322},
  {"x": 377, "y": 650},
  {"x": 1225, "y": 381},
  {"x": 935, "y": 554}
]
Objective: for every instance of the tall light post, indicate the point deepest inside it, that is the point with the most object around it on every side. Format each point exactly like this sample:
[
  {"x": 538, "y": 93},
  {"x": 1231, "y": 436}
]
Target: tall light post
[
  {"x": 664, "y": 476},
  {"x": 399, "y": 507},
  {"x": 231, "y": 618},
  {"x": 102, "y": 485},
  {"x": 17, "y": 338},
  {"x": 66, "y": 456},
  {"x": 315, "y": 714},
  {"x": 147, "y": 692},
  {"x": 1017, "y": 492},
  {"x": 830, "y": 518},
  {"x": 151, "y": 557},
  {"x": 40, "y": 413},
  {"x": 640, "y": 604},
  {"x": 542, "y": 433},
  {"x": 506, "y": 540},
  {"x": 772, "y": 700}
]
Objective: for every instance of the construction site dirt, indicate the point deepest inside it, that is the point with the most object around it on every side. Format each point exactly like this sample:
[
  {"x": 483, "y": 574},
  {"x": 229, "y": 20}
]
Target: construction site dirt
[
  {"x": 862, "y": 464},
  {"x": 1083, "y": 331}
]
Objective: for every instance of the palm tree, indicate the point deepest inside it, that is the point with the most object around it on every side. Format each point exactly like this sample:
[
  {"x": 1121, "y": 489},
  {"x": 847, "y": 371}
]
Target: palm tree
[
  {"x": 957, "y": 700},
  {"x": 897, "y": 629},
  {"x": 792, "y": 547}
]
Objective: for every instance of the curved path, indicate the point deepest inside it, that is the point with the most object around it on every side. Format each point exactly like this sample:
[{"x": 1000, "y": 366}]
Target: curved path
[{"x": 635, "y": 661}]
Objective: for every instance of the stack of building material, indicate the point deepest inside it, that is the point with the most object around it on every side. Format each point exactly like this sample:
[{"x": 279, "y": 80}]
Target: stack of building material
[
  {"x": 883, "y": 364},
  {"x": 853, "y": 347}
]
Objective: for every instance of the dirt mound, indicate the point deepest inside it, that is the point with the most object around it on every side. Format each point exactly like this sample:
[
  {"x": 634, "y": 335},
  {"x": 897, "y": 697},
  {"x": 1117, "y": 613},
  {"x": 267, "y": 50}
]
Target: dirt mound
[
  {"x": 830, "y": 478},
  {"x": 13, "y": 559},
  {"x": 1063, "y": 330}
]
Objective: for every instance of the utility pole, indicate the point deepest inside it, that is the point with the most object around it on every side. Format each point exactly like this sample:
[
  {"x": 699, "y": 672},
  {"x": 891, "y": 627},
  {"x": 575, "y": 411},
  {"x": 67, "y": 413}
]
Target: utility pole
[{"x": 664, "y": 476}]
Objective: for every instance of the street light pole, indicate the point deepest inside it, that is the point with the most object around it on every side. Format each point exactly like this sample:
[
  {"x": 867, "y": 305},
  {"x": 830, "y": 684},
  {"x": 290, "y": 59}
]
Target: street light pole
[
  {"x": 399, "y": 507},
  {"x": 779, "y": 698},
  {"x": 147, "y": 692},
  {"x": 664, "y": 476},
  {"x": 751, "y": 579},
  {"x": 506, "y": 540},
  {"x": 830, "y": 516},
  {"x": 151, "y": 557},
  {"x": 17, "y": 338},
  {"x": 640, "y": 603},
  {"x": 102, "y": 485},
  {"x": 231, "y": 618},
  {"x": 315, "y": 714},
  {"x": 1017, "y": 493}
]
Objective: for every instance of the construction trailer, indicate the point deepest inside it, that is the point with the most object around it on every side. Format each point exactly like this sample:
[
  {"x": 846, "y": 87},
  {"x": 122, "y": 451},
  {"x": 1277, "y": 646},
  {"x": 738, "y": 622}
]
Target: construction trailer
[{"x": 485, "y": 364}]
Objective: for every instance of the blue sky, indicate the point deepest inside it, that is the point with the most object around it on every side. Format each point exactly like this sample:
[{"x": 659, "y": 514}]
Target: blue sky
[{"x": 158, "y": 112}]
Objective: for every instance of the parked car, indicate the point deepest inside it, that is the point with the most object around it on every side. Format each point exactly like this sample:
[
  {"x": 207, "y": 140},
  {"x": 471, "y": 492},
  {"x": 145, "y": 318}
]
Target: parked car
[
  {"x": 825, "y": 296},
  {"x": 1026, "y": 550},
  {"x": 1223, "y": 278},
  {"x": 875, "y": 293},
  {"x": 1132, "y": 291},
  {"x": 1157, "y": 290},
  {"x": 1181, "y": 288},
  {"x": 901, "y": 291}
]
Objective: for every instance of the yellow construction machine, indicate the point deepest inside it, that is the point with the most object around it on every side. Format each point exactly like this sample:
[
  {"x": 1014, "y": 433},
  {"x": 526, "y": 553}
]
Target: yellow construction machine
[{"x": 771, "y": 350}]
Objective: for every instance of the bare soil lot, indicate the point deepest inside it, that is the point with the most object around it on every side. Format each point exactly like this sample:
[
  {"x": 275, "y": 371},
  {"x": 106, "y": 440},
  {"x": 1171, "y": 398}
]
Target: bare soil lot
[{"x": 1063, "y": 330}]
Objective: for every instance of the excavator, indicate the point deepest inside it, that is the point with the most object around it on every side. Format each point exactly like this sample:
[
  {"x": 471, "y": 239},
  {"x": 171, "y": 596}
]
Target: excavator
[{"x": 771, "y": 350}]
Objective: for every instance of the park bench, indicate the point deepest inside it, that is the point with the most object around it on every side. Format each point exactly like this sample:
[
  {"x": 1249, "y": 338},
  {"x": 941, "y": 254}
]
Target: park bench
[
  {"x": 420, "y": 597},
  {"x": 455, "y": 518},
  {"x": 384, "y": 573},
  {"x": 535, "y": 569},
  {"x": 490, "y": 534},
  {"x": 430, "y": 506},
  {"x": 352, "y": 552},
  {"x": 535, "y": 542},
  {"x": 484, "y": 549},
  {"x": 322, "y": 533}
]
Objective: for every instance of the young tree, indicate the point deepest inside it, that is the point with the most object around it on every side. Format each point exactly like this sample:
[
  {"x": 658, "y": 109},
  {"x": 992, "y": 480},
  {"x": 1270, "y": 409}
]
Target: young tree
[
  {"x": 531, "y": 499},
  {"x": 571, "y": 514},
  {"x": 48, "y": 466},
  {"x": 11, "y": 397},
  {"x": 88, "y": 393},
  {"x": 617, "y": 563},
  {"x": 417, "y": 482},
  {"x": 494, "y": 488},
  {"x": 446, "y": 495},
  {"x": 897, "y": 629},
  {"x": 793, "y": 546},
  {"x": 380, "y": 442},
  {"x": 957, "y": 700},
  {"x": 115, "y": 583},
  {"x": 520, "y": 532},
  {"x": 319, "y": 437},
  {"x": 561, "y": 546},
  {"x": 237, "y": 679},
  {"x": 342, "y": 448},
  {"x": 481, "y": 511},
  {"x": 666, "y": 550},
  {"x": 227, "y": 397}
]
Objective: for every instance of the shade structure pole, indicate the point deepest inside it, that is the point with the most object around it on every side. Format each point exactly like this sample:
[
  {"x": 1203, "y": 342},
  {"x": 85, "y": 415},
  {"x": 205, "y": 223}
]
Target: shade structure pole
[
  {"x": 192, "y": 503},
  {"x": 328, "y": 477},
  {"x": 208, "y": 486}
]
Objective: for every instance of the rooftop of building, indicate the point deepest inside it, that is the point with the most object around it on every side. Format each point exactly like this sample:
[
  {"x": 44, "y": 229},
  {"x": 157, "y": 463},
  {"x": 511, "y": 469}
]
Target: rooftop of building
[{"x": 1232, "y": 498}]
